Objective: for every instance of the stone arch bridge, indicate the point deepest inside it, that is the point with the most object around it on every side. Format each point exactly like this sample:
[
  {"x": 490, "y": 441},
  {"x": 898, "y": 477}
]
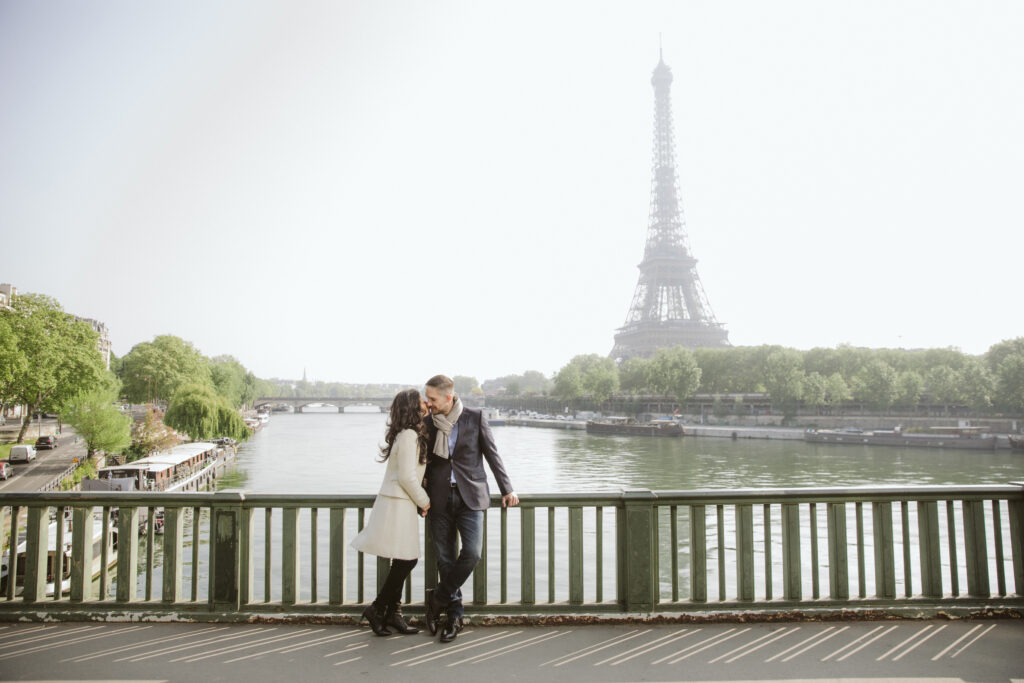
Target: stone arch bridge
[{"x": 382, "y": 403}]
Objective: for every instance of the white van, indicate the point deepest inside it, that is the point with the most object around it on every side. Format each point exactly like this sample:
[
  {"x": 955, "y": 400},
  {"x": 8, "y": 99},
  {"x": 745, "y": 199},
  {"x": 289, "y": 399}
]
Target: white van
[{"x": 22, "y": 453}]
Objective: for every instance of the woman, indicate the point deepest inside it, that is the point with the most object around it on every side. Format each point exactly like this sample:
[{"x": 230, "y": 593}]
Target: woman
[{"x": 393, "y": 531}]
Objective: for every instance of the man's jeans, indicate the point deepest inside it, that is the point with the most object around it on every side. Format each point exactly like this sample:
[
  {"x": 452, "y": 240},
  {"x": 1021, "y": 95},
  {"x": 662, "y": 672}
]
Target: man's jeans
[{"x": 444, "y": 523}]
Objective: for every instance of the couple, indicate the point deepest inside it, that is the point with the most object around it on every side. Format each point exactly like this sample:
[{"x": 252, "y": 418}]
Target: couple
[{"x": 448, "y": 443}]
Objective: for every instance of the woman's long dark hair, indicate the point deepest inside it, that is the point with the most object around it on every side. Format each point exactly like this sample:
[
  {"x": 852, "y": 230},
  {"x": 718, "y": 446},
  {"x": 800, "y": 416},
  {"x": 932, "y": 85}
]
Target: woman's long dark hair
[{"x": 405, "y": 414}]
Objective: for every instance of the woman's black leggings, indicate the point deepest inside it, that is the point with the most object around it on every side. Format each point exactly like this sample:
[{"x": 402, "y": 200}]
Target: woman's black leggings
[{"x": 391, "y": 591}]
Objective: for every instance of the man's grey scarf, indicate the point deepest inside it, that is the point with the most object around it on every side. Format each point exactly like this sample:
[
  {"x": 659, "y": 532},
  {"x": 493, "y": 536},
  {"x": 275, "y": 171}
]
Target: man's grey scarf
[{"x": 444, "y": 424}]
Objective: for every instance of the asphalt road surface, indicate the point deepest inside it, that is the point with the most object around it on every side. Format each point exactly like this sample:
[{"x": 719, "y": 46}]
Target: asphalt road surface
[{"x": 47, "y": 465}]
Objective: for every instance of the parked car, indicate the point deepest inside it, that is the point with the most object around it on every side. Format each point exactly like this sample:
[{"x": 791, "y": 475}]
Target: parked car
[
  {"x": 6, "y": 471},
  {"x": 22, "y": 453},
  {"x": 46, "y": 442}
]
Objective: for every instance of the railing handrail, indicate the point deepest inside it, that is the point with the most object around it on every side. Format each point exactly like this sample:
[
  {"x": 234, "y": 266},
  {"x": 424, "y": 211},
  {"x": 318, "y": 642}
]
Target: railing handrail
[{"x": 586, "y": 498}]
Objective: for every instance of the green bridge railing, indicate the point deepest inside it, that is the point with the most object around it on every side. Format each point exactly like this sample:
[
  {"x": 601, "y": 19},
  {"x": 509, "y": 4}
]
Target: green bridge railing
[{"x": 233, "y": 555}]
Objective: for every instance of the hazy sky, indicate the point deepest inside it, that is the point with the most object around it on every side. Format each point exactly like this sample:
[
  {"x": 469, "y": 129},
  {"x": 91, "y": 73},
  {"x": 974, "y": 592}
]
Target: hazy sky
[{"x": 379, "y": 191}]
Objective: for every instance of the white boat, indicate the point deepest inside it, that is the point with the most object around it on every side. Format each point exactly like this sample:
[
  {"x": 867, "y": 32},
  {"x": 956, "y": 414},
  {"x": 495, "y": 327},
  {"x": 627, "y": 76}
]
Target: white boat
[{"x": 65, "y": 570}]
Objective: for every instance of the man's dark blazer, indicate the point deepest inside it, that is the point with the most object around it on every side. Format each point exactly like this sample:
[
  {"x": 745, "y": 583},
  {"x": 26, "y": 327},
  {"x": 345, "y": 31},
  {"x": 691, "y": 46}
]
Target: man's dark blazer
[{"x": 473, "y": 445}]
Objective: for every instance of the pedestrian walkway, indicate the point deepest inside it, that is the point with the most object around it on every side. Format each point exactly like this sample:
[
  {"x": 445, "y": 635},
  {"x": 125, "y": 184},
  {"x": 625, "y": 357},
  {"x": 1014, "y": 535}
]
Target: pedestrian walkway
[{"x": 989, "y": 650}]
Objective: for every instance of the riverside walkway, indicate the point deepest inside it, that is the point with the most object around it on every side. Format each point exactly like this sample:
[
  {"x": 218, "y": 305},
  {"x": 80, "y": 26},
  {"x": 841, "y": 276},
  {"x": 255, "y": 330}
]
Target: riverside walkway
[{"x": 904, "y": 650}]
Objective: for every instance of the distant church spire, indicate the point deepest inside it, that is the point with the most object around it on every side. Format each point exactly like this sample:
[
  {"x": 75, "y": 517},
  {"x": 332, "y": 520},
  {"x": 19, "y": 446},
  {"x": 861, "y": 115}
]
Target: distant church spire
[{"x": 303, "y": 374}]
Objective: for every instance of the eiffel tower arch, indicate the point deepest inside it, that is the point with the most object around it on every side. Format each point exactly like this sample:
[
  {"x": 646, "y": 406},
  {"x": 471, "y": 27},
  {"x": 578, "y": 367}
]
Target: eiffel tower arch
[{"x": 669, "y": 306}]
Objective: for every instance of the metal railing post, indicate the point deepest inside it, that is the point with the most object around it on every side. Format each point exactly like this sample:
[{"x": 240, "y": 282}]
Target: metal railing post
[
  {"x": 225, "y": 546},
  {"x": 640, "y": 549}
]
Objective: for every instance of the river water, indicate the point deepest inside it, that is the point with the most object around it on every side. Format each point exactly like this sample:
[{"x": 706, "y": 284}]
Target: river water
[{"x": 328, "y": 452}]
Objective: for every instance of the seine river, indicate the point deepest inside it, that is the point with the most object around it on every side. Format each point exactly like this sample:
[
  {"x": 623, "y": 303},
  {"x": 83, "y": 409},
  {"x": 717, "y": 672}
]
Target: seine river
[{"x": 327, "y": 452}]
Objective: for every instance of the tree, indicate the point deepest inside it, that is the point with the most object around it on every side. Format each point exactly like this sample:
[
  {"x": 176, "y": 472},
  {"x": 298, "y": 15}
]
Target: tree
[
  {"x": 97, "y": 420},
  {"x": 814, "y": 390},
  {"x": 635, "y": 375},
  {"x": 1010, "y": 384},
  {"x": 784, "y": 380},
  {"x": 601, "y": 380},
  {"x": 908, "y": 389},
  {"x": 56, "y": 357},
  {"x": 675, "y": 372},
  {"x": 229, "y": 380},
  {"x": 977, "y": 385},
  {"x": 569, "y": 382},
  {"x": 836, "y": 391},
  {"x": 875, "y": 384},
  {"x": 150, "y": 435},
  {"x": 156, "y": 370},
  {"x": 464, "y": 385},
  {"x": 943, "y": 383},
  {"x": 199, "y": 412}
]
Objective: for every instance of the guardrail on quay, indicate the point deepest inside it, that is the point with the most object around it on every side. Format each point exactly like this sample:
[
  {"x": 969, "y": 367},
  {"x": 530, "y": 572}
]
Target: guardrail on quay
[{"x": 636, "y": 551}]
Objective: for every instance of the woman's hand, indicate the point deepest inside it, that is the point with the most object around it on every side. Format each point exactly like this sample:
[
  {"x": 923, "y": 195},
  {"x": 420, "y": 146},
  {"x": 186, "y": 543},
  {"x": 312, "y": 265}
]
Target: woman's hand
[{"x": 423, "y": 510}]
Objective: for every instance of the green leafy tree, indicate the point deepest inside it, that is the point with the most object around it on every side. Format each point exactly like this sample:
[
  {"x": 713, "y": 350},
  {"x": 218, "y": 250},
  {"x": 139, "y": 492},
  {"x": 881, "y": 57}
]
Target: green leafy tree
[
  {"x": 156, "y": 370},
  {"x": 512, "y": 388},
  {"x": 601, "y": 380},
  {"x": 635, "y": 375},
  {"x": 875, "y": 384},
  {"x": 98, "y": 421},
  {"x": 784, "y": 380},
  {"x": 675, "y": 372},
  {"x": 836, "y": 391},
  {"x": 56, "y": 357},
  {"x": 569, "y": 382},
  {"x": 196, "y": 410},
  {"x": 943, "y": 383},
  {"x": 977, "y": 385},
  {"x": 909, "y": 384},
  {"x": 150, "y": 435},
  {"x": 464, "y": 385},
  {"x": 1010, "y": 384},
  {"x": 814, "y": 390}
]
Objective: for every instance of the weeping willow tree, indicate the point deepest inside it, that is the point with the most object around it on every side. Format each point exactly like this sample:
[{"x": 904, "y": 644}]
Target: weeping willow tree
[{"x": 198, "y": 411}]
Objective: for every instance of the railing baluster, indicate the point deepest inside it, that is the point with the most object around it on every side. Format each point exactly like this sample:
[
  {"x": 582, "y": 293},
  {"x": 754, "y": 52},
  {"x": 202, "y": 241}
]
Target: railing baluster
[
  {"x": 82, "y": 533},
  {"x": 480, "y": 571},
  {"x": 551, "y": 554},
  {"x": 720, "y": 518},
  {"x": 312, "y": 556},
  {"x": 150, "y": 542},
  {"x": 744, "y": 552},
  {"x": 928, "y": 548},
  {"x": 268, "y": 532},
  {"x": 698, "y": 554},
  {"x": 908, "y": 577},
  {"x": 815, "y": 580},
  {"x": 36, "y": 541},
  {"x": 767, "y": 551},
  {"x": 289, "y": 556},
  {"x": 1017, "y": 544},
  {"x": 838, "y": 569},
  {"x": 792, "y": 587},
  {"x": 58, "y": 555},
  {"x": 360, "y": 519},
  {"x": 599, "y": 552},
  {"x": 975, "y": 548},
  {"x": 885, "y": 569},
  {"x": 575, "y": 555},
  {"x": 12, "y": 544},
  {"x": 954, "y": 567},
  {"x": 862, "y": 590},
  {"x": 174, "y": 530},
  {"x": 127, "y": 553},
  {"x": 504, "y": 555},
  {"x": 105, "y": 554},
  {"x": 527, "y": 565},
  {"x": 674, "y": 549},
  {"x": 997, "y": 527},
  {"x": 246, "y": 568},
  {"x": 196, "y": 530},
  {"x": 336, "y": 550}
]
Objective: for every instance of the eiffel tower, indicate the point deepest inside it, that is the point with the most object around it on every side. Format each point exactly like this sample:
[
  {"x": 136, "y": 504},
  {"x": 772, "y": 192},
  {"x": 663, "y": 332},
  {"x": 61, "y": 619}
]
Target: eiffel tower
[{"x": 669, "y": 307}]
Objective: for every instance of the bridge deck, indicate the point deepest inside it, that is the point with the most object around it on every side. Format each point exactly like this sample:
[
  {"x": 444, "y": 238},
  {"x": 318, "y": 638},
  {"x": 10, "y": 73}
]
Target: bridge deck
[{"x": 982, "y": 650}]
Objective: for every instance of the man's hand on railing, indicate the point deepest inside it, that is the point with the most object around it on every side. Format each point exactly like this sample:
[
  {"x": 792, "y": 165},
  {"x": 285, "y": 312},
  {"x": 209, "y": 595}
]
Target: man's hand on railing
[{"x": 509, "y": 500}]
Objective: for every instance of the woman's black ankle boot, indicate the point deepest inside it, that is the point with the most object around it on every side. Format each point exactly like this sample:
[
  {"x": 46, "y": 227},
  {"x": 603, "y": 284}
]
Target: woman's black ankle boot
[
  {"x": 375, "y": 616},
  {"x": 393, "y": 617}
]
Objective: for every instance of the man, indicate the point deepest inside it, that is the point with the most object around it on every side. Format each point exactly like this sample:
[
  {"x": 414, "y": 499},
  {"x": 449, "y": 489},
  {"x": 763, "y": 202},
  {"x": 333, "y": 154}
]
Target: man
[{"x": 460, "y": 441}]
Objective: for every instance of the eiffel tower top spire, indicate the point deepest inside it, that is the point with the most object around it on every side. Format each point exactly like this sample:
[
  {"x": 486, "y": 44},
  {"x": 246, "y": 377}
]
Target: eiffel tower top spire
[{"x": 669, "y": 306}]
